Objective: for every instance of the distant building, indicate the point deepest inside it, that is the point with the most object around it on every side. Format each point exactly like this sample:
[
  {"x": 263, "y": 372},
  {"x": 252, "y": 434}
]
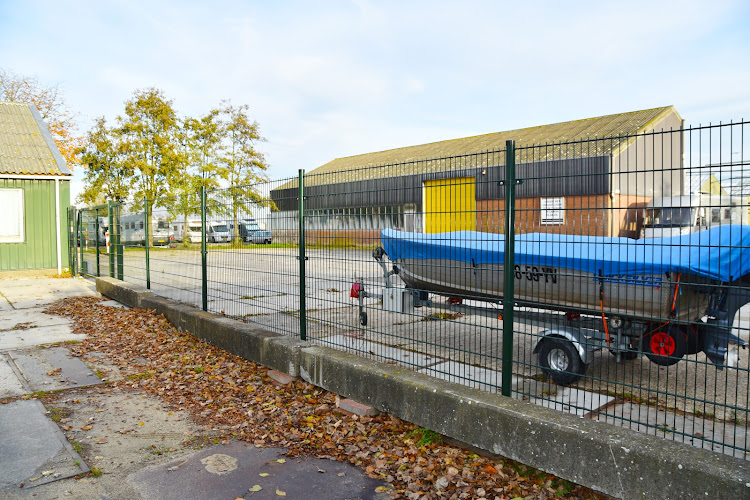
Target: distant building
[
  {"x": 571, "y": 185},
  {"x": 34, "y": 192}
]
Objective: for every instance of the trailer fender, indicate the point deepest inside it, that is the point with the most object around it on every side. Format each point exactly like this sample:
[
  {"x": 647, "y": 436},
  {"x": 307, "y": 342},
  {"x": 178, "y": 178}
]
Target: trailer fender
[{"x": 574, "y": 335}]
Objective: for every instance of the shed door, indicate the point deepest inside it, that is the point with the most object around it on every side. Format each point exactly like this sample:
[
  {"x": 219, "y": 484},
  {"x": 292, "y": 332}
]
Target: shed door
[{"x": 450, "y": 205}]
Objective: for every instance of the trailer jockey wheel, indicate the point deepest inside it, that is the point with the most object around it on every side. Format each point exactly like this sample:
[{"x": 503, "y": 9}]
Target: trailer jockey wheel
[
  {"x": 560, "y": 360},
  {"x": 363, "y": 318},
  {"x": 666, "y": 347}
]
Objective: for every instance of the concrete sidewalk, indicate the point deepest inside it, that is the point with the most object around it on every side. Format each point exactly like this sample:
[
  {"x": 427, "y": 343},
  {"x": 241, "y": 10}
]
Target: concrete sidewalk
[{"x": 134, "y": 446}]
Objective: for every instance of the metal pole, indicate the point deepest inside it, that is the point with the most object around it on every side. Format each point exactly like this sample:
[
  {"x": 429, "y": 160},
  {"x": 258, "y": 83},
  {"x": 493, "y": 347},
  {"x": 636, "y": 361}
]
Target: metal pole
[
  {"x": 204, "y": 251},
  {"x": 110, "y": 229},
  {"x": 145, "y": 239},
  {"x": 73, "y": 221},
  {"x": 118, "y": 246},
  {"x": 96, "y": 220},
  {"x": 302, "y": 257},
  {"x": 80, "y": 242},
  {"x": 509, "y": 265}
]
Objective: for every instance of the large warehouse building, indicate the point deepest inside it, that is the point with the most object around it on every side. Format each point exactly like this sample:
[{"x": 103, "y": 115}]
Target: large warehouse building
[{"x": 587, "y": 176}]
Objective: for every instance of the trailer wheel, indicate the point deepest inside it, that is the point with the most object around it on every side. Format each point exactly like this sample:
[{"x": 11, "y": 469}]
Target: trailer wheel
[
  {"x": 363, "y": 318},
  {"x": 666, "y": 347},
  {"x": 560, "y": 361}
]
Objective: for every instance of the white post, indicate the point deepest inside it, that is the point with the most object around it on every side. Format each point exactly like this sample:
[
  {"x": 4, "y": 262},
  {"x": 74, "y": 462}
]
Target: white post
[{"x": 57, "y": 226}]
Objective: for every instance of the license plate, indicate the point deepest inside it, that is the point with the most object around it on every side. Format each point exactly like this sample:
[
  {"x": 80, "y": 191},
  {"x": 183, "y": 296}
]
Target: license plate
[{"x": 161, "y": 241}]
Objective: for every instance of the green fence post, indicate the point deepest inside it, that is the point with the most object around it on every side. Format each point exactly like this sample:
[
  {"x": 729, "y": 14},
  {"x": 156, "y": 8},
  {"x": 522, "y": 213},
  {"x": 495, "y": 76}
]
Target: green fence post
[
  {"x": 302, "y": 257},
  {"x": 204, "y": 251},
  {"x": 509, "y": 265},
  {"x": 80, "y": 237},
  {"x": 119, "y": 246},
  {"x": 111, "y": 249},
  {"x": 96, "y": 223},
  {"x": 146, "y": 242},
  {"x": 72, "y": 232}
]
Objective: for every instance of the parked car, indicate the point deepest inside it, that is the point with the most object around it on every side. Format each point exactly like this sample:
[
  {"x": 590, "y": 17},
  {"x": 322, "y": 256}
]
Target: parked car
[{"x": 259, "y": 236}]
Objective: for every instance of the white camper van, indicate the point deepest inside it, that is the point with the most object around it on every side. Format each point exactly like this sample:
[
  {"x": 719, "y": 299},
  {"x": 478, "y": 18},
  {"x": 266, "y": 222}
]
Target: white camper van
[{"x": 675, "y": 215}]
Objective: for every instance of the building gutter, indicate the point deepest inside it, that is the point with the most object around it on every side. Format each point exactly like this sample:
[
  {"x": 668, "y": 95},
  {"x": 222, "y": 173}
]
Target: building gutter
[{"x": 37, "y": 177}]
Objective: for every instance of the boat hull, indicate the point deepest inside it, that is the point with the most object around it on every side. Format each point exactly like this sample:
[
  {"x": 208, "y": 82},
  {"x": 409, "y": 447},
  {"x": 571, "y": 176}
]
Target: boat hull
[{"x": 646, "y": 297}]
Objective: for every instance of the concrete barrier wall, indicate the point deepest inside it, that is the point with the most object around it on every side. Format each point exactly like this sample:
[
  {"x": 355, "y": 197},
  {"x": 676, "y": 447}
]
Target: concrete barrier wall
[{"x": 618, "y": 462}]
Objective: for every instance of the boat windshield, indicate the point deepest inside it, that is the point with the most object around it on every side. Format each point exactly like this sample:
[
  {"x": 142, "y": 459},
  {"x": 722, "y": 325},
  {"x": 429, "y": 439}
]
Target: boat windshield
[{"x": 669, "y": 217}]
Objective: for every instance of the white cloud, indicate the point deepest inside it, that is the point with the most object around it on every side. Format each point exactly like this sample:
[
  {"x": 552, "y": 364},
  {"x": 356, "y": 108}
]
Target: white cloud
[{"x": 331, "y": 79}]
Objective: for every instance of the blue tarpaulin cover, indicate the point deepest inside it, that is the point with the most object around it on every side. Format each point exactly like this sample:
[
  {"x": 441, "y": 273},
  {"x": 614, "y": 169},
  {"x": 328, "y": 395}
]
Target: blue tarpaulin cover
[{"x": 721, "y": 253}]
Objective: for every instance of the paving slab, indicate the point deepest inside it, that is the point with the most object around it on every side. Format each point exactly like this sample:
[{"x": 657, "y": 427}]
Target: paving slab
[
  {"x": 52, "y": 369},
  {"x": 10, "y": 383},
  {"x": 721, "y": 437},
  {"x": 378, "y": 350},
  {"x": 567, "y": 399},
  {"x": 17, "y": 319},
  {"x": 33, "y": 451},
  {"x": 232, "y": 470},
  {"x": 41, "y": 335},
  {"x": 471, "y": 376},
  {"x": 36, "y": 292}
]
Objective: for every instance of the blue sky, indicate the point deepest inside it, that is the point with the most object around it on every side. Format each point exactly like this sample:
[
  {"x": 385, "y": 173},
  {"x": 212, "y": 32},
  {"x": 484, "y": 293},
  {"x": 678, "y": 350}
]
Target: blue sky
[{"x": 327, "y": 79}]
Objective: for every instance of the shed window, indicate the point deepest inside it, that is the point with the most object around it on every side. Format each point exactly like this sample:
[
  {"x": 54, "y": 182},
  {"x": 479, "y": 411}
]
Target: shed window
[{"x": 11, "y": 223}]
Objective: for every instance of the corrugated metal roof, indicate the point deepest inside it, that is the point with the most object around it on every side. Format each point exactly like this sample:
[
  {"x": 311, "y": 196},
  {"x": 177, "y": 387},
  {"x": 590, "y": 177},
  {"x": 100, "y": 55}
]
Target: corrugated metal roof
[
  {"x": 26, "y": 147},
  {"x": 401, "y": 161}
]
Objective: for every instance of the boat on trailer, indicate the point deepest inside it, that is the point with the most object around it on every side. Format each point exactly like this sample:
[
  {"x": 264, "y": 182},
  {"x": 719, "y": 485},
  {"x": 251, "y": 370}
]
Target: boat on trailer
[{"x": 664, "y": 297}]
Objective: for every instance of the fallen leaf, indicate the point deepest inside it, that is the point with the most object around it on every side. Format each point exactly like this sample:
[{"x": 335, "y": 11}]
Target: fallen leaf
[
  {"x": 87, "y": 427},
  {"x": 381, "y": 489},
  {"x": 255, "y": 488},
  {"x": 280, "y": 493},
  {"x": 264, "y": 474},
  {"x": 280, "y": 461}
]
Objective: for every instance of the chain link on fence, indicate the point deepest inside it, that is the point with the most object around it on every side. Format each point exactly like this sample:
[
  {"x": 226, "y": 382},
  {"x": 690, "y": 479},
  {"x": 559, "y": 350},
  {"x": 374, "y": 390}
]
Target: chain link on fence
[{"x": 604, "y": 277}]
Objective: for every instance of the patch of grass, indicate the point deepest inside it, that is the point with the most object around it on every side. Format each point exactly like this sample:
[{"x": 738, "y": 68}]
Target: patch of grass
[
  {"x": 442, "y": 316},
  {"x": 138, "y": 376},
  {"x": 56, "y": 414},
  {"x": 79, "y": 448},
  {"x": 100, "y": 374},
  {"x": 426, "y": 436},
  {"x": 64, "y": 274},
  {"x": 96, "y": 471},
  {"x": 199, "y": 369},
  {"x": 156, "y": 450}
]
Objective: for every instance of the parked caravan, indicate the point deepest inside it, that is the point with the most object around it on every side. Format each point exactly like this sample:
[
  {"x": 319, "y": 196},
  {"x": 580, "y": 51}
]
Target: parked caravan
[
  {"x": 675, "y": 215},
  {"x": 133, "y": 231},
  {"x": 192, "y": 233}
]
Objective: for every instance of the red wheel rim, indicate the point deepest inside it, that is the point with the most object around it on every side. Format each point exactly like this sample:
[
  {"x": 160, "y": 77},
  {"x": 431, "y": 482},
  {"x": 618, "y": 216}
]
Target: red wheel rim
[{"x": 662, "y": 344}]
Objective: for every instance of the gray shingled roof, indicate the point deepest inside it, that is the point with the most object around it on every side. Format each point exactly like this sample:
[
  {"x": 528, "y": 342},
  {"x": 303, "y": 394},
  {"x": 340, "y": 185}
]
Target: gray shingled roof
[
  {"x": 616, "y": 131},
  {"x": 26, "y": 146}
]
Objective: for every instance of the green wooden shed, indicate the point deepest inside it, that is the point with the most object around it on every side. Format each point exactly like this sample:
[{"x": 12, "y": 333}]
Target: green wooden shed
[{"x": 34, "y": 192}]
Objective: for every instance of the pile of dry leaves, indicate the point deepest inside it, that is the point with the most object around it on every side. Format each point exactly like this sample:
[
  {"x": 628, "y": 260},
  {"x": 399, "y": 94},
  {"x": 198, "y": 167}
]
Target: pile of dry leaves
[{"x": 237, "y": 397}]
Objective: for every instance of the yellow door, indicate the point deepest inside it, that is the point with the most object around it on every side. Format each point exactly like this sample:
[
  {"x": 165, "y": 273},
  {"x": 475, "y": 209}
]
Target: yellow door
[{"x": 450, "y": 205}]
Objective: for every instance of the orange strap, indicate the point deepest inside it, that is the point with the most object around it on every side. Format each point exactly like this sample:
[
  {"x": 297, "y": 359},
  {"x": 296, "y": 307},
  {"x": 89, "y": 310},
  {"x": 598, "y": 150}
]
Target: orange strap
[
  {"x": 604, "y": 320},
  {"x": 676, "y": 287}
]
